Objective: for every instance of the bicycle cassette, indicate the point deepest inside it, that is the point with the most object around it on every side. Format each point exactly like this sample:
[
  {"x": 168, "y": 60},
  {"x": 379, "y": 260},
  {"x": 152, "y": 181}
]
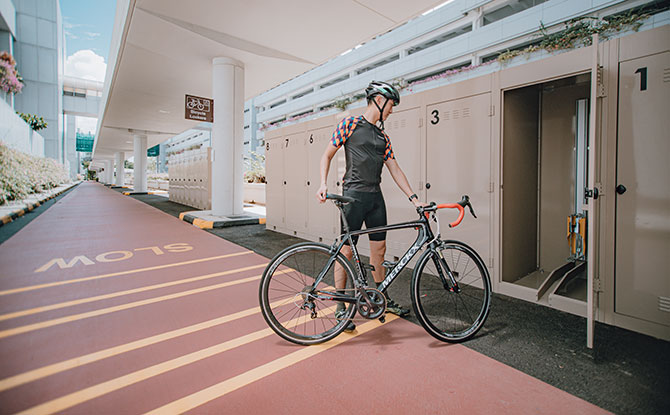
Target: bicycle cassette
[{"x": 375, "y": 308}]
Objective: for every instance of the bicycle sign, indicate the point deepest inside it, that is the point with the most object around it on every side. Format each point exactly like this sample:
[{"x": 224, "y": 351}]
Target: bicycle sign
[{"x": 199, "y": 108}]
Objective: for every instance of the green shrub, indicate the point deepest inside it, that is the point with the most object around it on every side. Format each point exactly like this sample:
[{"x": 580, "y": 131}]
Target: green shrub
[{"x": 22, "y": 174}]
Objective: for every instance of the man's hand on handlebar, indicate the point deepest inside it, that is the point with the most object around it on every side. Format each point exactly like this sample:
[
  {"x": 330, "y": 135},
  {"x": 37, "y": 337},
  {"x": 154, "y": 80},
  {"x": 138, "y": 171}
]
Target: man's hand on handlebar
[{"x": 418, "y": 204}]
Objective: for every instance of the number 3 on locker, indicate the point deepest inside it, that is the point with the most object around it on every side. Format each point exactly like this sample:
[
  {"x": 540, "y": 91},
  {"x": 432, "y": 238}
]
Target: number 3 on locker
[{"x": 436, "y": 117}]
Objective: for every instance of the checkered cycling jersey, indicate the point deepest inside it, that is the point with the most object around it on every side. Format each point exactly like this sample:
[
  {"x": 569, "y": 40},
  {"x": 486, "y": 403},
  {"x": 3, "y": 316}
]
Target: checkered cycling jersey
[{"x": 366, "y": 148}]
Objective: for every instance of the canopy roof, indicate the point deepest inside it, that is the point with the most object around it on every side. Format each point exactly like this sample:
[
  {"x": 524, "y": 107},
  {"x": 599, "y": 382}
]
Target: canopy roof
[{"x": 162, "y": 50}]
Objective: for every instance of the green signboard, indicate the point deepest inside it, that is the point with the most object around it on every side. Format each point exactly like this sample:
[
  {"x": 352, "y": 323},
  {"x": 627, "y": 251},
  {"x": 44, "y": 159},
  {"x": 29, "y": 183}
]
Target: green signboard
[
  {"x": 153, "y": 151},
  {"x": 85, "y": 142}
]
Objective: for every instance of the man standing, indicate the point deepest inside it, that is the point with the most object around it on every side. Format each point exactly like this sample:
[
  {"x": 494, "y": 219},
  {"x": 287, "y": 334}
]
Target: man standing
[{"x": 367, "y": 149}]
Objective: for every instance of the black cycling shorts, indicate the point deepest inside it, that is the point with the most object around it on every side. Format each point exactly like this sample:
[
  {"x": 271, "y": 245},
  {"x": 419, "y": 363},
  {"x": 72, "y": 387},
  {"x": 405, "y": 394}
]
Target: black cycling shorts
[{"x": 369, "y": 208}]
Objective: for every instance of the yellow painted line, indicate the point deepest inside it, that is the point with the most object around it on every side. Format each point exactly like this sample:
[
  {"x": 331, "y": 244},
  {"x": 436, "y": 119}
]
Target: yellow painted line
[
  {"x": 203, "y": 224},
  {"x": 71, "y": 303},
  {"x": 194, "y": 400},
  {"x": 42, "y": 372},
  {"x": 108, "y": 310},
  {"x": 126, "y": 193},
  {"x": 112, "y": 385},
  {"x": 115, "y": 274},
  {"x": 261, "y": 221}
]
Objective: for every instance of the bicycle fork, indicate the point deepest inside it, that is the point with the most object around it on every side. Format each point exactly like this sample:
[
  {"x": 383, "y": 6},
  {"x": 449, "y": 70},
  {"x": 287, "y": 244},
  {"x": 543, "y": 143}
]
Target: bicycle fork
[{"x": 449, "y": 281}]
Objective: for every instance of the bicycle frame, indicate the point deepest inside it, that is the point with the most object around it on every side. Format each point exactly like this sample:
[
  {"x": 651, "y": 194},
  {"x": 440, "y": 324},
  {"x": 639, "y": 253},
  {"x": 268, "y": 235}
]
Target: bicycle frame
[{"x": 425, "y": 234}]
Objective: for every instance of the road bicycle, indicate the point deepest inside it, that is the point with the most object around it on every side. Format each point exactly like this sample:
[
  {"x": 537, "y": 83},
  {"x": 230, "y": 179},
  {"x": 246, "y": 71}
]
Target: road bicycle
[{"x": 310, "y": 291}]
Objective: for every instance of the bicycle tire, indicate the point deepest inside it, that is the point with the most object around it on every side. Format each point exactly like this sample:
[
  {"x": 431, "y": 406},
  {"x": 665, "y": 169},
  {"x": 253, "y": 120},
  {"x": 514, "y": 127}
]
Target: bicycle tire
[
  {"x": 437, "y": 308},
  {"x": 281, "y": 294}
]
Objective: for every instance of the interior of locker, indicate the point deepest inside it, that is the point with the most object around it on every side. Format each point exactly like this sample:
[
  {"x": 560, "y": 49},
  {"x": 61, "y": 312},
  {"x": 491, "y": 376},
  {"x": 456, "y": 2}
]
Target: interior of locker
[{"x": 539, "y": 186}]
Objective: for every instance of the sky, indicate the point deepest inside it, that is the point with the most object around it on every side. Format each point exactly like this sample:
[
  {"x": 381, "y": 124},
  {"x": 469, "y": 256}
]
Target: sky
[
  {"x": 88, "y": 33},
  {"x": 88, "y": 29}
]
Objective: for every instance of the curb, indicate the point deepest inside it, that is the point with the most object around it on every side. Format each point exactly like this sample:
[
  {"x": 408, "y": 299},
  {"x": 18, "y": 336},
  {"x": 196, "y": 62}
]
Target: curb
[
  {"x": 24, "y": 208},
  {"x": 208, "y": 224},
  {"x": 153, "y": 192}
]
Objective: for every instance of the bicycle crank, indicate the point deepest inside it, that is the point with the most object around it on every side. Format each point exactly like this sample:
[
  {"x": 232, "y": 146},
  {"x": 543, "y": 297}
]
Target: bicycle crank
[{"x": 373, "y": 306}]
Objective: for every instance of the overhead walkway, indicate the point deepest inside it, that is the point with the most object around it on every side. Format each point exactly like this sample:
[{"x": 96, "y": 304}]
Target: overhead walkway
[{"x": 108, "y": 305}]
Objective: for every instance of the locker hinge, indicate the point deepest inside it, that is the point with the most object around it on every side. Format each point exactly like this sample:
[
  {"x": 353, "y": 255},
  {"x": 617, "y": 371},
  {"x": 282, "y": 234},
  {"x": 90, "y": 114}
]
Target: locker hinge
[
  {"x": 420, "y": 122},
  {"x": 600, "y": 87},
  {"x": 597, "y": 285},
  {"x": 492, "y": 110},
  {"x": 490, "y": 263},
  {"x": 491, "y": 184}
]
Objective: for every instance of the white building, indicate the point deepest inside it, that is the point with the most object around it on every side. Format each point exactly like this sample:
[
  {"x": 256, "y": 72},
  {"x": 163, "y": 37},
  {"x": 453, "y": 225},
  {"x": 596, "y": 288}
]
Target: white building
[{"x": 38, "y": 45}]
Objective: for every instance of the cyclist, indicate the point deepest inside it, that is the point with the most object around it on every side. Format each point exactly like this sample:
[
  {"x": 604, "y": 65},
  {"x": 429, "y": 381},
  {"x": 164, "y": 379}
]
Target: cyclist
[{"x": 367, "y": 149}]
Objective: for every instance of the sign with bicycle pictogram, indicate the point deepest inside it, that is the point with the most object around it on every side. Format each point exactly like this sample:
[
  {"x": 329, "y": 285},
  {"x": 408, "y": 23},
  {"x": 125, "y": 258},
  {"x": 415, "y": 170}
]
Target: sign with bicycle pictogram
[{"x": 199, "y": 108}]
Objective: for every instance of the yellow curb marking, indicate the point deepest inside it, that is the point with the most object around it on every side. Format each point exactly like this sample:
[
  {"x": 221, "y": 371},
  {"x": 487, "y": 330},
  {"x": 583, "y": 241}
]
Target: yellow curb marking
[
  {"x": 220, "y": 389},
  {"x": 115, "y": 274},
  {"x": 57, "y": 306},
  {"x": 203, "y": 224},
  {"x": 261, "y": 221},
  {"x": 52, "y": 369},
  {"x": 108, "y": 310},
  {"x": 181, "y": 215},
  {"x": 112, "y": 385}
]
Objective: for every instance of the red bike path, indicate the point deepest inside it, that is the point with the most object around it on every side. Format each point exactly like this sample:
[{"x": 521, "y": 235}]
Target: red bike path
[{"x": 109, "y": 306}]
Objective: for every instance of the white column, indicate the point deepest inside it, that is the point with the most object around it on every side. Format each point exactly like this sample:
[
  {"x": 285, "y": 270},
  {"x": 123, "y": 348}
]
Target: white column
[
  {"x": 120, "y": 159},
  {"x": 108, "y": 173},
  {"x": 140, "y": 163},
  {"x": 227, "y": 136}
]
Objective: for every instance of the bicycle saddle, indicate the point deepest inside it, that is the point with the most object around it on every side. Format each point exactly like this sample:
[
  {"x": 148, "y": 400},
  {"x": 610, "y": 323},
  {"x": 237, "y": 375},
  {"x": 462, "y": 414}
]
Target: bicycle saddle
[{"x": 340, "y": 198}]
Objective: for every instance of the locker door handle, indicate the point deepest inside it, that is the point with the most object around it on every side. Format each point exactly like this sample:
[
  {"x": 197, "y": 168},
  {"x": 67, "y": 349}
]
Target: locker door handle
[
  {"x": 284, "y": 181},
  {"x": 338, "y": 183},
  {"x": 427, "y": 185},
  {"x": 621, "y": 189},
  {"x": 307, "y": 182}
]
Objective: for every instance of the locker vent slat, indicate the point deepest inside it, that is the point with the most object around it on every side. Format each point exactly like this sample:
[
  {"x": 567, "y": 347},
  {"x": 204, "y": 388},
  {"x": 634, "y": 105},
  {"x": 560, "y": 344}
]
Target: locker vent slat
[
  {"x": 664, "y": 304},
  {"x": 666, "y": 75}
]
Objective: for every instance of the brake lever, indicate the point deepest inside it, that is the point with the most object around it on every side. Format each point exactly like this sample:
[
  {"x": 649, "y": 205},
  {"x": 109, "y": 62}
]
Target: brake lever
[{"x": 472, "y": 211}]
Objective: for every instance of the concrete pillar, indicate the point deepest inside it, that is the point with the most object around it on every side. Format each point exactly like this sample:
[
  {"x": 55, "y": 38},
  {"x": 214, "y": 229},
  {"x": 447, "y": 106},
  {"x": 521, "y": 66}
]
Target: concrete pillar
[
  {"x": 120, "y": 158},
  {"x": 107, "y": 173},
  {"x": 140, "y": 163},
  {"x": 227, "y": 136},
  {"x": 110, "y": 171}
]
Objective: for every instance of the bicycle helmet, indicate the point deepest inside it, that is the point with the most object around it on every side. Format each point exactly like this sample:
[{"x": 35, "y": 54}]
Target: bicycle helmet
[
  {"x": 382, "y": 88},
  {"x": 386, "y": 90}
]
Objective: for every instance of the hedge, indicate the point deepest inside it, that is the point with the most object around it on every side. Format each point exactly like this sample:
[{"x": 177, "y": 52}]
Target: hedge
[{"x": 22, "y": 174}]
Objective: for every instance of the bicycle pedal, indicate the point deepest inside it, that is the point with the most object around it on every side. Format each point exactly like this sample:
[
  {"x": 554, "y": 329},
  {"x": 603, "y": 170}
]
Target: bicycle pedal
[
  {"x": 382, "y": 319},
  {"x": 369, "y": 266}
]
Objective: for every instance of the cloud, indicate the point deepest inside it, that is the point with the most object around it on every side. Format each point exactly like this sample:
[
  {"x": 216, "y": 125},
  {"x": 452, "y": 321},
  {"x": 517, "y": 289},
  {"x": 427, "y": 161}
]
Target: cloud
[
  {"x": 92, "y": 35},
  {"x": 86, "y": 64}
]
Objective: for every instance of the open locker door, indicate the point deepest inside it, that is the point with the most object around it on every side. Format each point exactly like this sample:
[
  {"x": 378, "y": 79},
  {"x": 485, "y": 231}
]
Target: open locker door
[{"x": 592, "y": 192}]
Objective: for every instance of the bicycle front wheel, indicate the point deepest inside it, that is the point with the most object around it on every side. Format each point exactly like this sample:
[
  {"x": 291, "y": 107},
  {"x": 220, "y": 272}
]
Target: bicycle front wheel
[
  {"x": 293, "y": 306},
  {"x": 448, "y": 315}
]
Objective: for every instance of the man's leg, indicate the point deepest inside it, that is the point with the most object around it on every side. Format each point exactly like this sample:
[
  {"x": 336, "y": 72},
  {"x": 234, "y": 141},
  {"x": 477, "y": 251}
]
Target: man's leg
[{"x": 377, "y": 251}]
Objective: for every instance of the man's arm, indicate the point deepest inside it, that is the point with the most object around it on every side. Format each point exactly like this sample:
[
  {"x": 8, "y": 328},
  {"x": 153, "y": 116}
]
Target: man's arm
[
  {"x": 401, "y": 180},
  {"x": 324, "y": 166}
]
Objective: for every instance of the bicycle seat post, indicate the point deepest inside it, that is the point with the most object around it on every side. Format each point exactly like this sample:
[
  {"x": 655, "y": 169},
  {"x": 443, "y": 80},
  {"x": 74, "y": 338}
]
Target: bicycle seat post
[{"x": 345, "y": 225}]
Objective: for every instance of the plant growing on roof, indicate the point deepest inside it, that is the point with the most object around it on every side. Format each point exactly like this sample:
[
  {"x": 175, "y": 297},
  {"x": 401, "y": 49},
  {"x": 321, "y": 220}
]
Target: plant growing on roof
[
  {"x": 35, "y": 122},
  {"x": 10, "y": 79}
]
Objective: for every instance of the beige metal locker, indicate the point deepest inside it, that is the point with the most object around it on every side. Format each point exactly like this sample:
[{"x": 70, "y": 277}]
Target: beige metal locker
[
  {"x": 295, "y": 182},
  {"x": 458, "y": 162},
  {"x": 403, "y": 129},
  {"x": 274, "y": 188},
  {"x": 642, "y": 276},
  {"x": 323, "y": 223}
]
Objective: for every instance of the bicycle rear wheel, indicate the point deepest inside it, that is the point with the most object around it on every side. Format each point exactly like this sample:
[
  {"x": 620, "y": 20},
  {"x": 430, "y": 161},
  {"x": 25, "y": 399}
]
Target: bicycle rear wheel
[
  {"x": 447, "y": 315},
  {"x": 293, "y": 307}
]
